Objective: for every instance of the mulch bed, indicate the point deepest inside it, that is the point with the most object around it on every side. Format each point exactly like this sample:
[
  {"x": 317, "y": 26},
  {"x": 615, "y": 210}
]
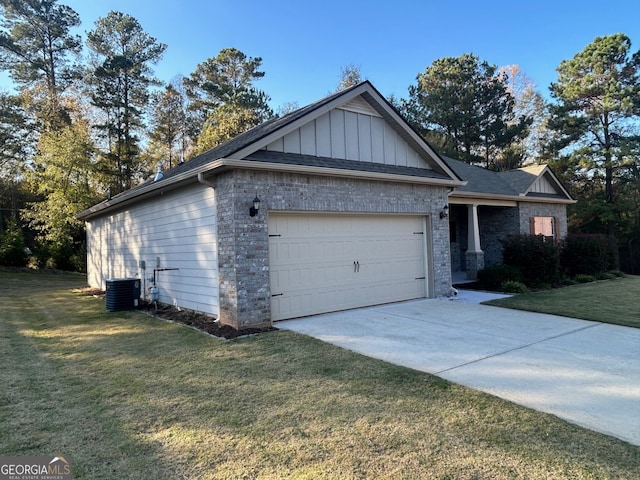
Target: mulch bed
[{"x": 199, "y": 321}]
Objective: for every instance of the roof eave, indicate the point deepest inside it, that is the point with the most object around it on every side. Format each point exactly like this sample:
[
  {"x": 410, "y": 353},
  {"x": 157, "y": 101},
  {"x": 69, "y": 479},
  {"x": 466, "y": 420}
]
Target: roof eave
[
  {"x": 547, "y": 171},
  {"x": 457, "y": 194},
  {"x": 330, "y": 171},
  {"x": 162, "y": 186},
  {"x": 155, "y": 188}
]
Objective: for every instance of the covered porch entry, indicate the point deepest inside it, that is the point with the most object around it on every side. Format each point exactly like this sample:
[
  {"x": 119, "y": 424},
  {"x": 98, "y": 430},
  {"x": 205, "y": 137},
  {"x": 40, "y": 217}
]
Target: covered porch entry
[{"x": 476, "y": 228}]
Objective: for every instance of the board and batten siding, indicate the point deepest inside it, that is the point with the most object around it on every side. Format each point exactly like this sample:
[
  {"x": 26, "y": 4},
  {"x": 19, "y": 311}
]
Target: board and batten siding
[
  {"x": 176, "y": 230},
  {"x": 543, "y": 185},
  {"x": 350, "y": 135}
]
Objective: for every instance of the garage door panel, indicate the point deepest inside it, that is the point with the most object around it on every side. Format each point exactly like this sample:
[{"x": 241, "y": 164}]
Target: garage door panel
[{"x": 312, "y": 261}]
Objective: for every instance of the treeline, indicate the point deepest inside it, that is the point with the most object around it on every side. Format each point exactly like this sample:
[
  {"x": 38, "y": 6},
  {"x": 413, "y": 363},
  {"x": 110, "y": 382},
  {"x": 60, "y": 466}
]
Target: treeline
[
  {"x": 77, "y": 129},
  {"x": 81, "y": 129}
]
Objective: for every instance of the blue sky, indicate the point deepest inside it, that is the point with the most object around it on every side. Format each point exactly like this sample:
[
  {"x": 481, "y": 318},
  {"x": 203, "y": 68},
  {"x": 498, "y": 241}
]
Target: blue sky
[{"x": 305, "y": 43}]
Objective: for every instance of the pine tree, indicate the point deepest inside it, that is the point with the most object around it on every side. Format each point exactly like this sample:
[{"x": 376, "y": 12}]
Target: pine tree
[{"x": 120, "y": 81}]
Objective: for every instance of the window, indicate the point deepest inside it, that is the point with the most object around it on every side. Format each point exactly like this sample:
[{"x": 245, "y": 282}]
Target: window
[{"x": 545, "y": 226}]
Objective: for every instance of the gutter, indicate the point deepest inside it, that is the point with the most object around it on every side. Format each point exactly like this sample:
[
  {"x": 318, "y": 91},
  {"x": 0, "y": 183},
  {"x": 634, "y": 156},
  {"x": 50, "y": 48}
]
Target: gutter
[
  {"x": 198, "y": 175},
  {"x": 457, "y": 194}
]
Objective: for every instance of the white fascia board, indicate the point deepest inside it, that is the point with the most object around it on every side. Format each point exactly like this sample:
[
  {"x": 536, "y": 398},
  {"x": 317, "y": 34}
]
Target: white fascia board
[
  {"x": 392, "y": 114},
  {"x": 494, "y": 202},
  {"x": 464, "y": 198},
  {"x": 192, "y": 176},
  {"x": 380, "y": 103},
  {"x": 152, "y": 189},
  {"x": 284, "y": 130},
  {"x": 328, "y": 171}
]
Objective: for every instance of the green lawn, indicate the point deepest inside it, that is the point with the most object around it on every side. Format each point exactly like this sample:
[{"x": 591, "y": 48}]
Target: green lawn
[
  {"x": 127, "y": 396},
  {"x": 610, "y": 301}
]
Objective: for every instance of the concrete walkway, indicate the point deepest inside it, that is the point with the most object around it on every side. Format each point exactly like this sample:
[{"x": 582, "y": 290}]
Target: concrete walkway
[{"x": 587, "y": 373}]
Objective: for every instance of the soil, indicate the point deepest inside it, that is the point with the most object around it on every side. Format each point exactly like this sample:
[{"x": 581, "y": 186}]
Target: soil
[{"x": 199, "y": 321}]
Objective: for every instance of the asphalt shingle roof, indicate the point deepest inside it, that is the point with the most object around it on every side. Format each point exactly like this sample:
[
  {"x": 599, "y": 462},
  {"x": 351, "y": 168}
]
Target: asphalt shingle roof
[
  {"x": 313, "y": 161},
  {"x": 480, "y": 180},
  {"x": 521, "y": 179},
  {"x": 247, "y": 138}
]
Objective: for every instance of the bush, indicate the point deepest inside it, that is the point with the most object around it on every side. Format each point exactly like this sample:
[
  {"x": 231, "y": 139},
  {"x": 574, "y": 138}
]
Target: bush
[
  {"x": 567, "y": 282},
  {"x": 491, "y": 278},
  {"x": 67, "y": 256},
  {"x": 513, "y": 287},
  {"x": 13, "y": 252},
  {"x": 537, "y": 257},
  {"x": 582, "y": 278},
  {"x": 606, "y": 276},
  {"x": 586, "y": 254}
]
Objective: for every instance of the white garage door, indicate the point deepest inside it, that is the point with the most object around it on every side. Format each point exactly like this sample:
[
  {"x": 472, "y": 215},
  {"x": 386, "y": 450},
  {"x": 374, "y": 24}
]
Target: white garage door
[{"x": 323, "y": 263}]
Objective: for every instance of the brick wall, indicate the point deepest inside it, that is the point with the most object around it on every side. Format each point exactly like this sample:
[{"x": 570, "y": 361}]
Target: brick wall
[
  {"x": 528, "y": 210},
  {"x": 496, "y": 223},
  {"x": 243, "y": 244}
]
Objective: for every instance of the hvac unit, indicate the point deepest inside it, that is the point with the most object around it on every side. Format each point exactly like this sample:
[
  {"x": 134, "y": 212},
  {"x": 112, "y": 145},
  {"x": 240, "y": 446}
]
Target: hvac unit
[{"x": 122, "y": 294}]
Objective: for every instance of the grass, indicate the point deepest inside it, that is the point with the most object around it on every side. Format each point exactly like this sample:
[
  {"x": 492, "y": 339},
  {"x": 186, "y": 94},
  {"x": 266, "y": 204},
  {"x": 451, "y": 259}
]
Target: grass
[
  {"x": 124, "y": 395},
  {"x": 611, "y": 301}
]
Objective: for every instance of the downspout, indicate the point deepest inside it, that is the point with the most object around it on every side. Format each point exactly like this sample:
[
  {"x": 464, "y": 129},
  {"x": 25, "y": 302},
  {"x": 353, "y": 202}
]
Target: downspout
[{"x": 204, "y": 181}]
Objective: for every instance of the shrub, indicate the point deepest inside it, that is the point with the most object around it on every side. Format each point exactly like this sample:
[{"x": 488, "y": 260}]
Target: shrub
[
  {"x": 537, "y": 257},
  {"x": 491, "y": 278},
  {"x": 13, "y": 251},
  {"x": 606, "y": 276},
  {"x": 582, "y": 278},
  {"x": 511, "y": 286},
  {"x": 567, "y": 282},
  {"x": 586, "y": 254},
  {"x": 67, "y": 256}
]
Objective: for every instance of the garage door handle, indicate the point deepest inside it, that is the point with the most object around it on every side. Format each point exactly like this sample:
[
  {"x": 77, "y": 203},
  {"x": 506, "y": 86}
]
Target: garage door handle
[{"x": 355, "y": 268}]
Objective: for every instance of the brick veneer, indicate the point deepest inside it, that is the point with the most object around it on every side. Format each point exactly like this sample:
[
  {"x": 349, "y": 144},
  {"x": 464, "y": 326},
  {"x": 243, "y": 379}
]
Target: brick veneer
[{"x": 243, "y": 244}]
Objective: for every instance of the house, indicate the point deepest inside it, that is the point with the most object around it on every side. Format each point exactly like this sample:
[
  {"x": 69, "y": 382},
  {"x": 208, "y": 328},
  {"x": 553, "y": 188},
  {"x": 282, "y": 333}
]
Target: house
[
  {"x": 337, "y": 205},
  {"x": 492, "y": 206}
]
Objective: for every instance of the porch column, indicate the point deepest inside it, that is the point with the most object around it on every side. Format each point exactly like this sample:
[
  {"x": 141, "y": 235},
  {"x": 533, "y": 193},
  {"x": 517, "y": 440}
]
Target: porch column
[{"x": 474, "y": 255}]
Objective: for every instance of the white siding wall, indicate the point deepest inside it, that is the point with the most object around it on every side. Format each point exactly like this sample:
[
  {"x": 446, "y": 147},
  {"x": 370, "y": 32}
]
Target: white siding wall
[
  {"x": 542, "y": 185},
  {"x": 179, "y": 228},
  {"x": 350, "y": 135}
]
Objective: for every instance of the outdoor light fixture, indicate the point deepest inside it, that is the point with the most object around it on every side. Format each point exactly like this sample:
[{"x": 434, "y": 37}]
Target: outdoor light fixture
[
  {"x": 253, "y": 211},
  {"x": 445, "y": 212}
]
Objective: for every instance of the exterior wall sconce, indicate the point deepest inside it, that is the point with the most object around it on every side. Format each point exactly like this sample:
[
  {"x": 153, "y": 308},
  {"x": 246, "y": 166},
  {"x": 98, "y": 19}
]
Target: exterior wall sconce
[
  {"x": 445, "y": 212},
  {"x": 253, "y": 211}
]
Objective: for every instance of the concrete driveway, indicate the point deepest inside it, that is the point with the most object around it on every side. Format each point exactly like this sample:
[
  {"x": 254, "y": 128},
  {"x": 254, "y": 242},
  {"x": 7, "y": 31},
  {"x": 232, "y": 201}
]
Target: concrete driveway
[{"x": 587, "y": 373}]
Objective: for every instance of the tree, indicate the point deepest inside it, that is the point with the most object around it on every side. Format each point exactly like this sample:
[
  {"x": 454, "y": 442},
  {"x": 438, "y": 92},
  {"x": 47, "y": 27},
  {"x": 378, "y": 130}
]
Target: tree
[
  {"x": 349, "y": 76},
  {"x": 12, "y": 246},
  {"x": 226, "y": 79},
  {"x": 225, "y": 123},
  {"x": 16, "y": 136},
  {"x": 62, "y": 179},
  {"x": 15, "y": 132},
  {"x": 168, "y": 123},
  {"x": 594, "y": 121},
  {"x": 120, "y": 82},
  {"x": 468, "y": 106},
  {"x": 39, "y": 52},
  {"x": 286, "y": 108},
  {"x": 528, "y": 103}
]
